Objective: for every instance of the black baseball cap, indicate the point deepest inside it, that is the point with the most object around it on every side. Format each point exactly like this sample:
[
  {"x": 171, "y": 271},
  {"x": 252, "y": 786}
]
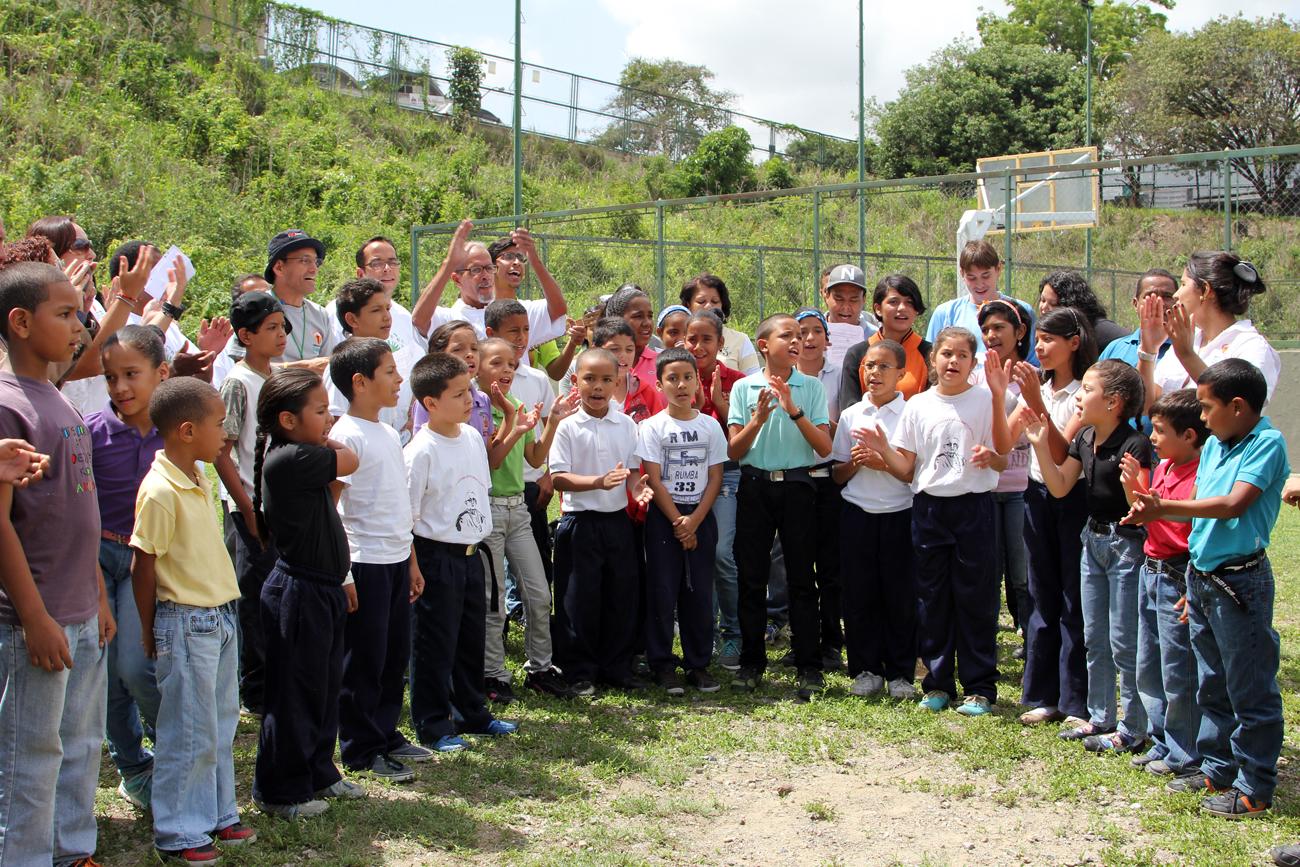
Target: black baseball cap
[
  {"x": 251, "y": 308},
  {"x": 285, "y": 243}
]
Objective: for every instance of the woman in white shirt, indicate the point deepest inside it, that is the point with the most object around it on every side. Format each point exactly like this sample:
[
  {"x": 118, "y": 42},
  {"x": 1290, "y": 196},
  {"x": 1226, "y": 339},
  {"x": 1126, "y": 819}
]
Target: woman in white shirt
[{"x": 1203, "y": 326}]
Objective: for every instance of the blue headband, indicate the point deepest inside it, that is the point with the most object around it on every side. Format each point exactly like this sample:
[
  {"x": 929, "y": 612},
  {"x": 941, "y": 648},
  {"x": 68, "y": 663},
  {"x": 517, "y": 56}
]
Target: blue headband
[
  {"x": 668, "y": 311},
  {"x": 804, "y": 314}
]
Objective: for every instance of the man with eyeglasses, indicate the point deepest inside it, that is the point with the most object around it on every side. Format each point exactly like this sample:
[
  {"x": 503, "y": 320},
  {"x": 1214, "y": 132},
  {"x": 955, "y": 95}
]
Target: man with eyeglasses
[
  {"x": 292, "y": 259},
  {"x": 377, "y": 258}
]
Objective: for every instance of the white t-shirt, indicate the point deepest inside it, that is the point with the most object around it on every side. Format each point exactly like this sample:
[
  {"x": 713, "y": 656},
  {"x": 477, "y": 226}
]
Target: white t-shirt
[
  {"x": 589, "y": 446},
  {"x": 529, "y": 388},
  {"x": 402, "y": 334},
  {"x": 1238, "y": 340},
  {"x": 875, "y": 491},
  {"x": 376, "y": 517},
  {"x": 1060, "y": 409},
  {"x": 541, "y": 328},
  {"x": 90, "y": 393},
  {"x": 394, "y": 416},
  {"x": 943, "y": 430},
  {"x": 448, "y": 480},
  {"x": 684, "y": 451}
]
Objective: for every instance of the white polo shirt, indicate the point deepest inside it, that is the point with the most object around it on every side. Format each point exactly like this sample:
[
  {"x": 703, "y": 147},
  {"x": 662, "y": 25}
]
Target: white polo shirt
[
  {"x": 876, "y": 491},
  {"x": 530, "y": 388},
  {"x": 541, "y": 328},
  {"x": 1060, "y": 409},
  {"x": 1238, "y": 340},
  {"x": 589, "y": 446}
]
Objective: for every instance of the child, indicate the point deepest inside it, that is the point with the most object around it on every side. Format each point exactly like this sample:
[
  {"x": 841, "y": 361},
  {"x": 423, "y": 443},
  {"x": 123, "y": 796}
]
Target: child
[
  {"x": 1056, "y": 668},
  {"x": 1110, "y": 395},
  {"x": 595, "y": 555},
  {"x": 1166, "y": 668},
  {"x": 304, "y": 604},
  {"x": 377, "y": 634},
  {"x": 447, "y": 480},
  {"x": 512, "y": 528},
  {"x": 634, "y": 396},
  {"x": 459, "y": 338},
  {"x": 1230, "y": 591},
  {"x": 704, "y": 336},
  {"x": 261, "y": 329},
  {"x": 125, "y": 442},
  {"x": 54, "y": 608},
  {"x": 897, "y": 302},
  {"x": 776, "y": 451},
  {"x": 681, "y": 451},
  {"x": 670, "y": 327},
  {"x": 185, "y": 589},
  {"x": 879, "y": 573},
  {"x": 945, "y": 438},
  {"x": 365, "y": 309}
]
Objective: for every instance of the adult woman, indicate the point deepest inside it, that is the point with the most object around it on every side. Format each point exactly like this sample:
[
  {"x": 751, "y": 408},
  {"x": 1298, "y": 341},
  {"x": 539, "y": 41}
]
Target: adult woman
[
  {"x": 632, "y": 304},
  {"x": 1069, "y": 289},
  {"x": 707, "y": 291},
  {"x": 897, "y": 302}
]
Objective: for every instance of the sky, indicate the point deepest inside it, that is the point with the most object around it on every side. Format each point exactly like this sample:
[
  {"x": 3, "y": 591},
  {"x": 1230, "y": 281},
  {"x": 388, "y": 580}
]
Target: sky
[{"x": 788, "y": 62}]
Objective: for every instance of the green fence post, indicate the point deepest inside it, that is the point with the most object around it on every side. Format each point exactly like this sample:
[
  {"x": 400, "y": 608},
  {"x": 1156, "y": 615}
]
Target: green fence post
[
  {"x": 817, "y": 245},
  {"x": 661, "y": 265},
  {"x": 415, "y": 266},
  {"x": 761, "y": 288},
  {"x": 1227, "y": 203}
]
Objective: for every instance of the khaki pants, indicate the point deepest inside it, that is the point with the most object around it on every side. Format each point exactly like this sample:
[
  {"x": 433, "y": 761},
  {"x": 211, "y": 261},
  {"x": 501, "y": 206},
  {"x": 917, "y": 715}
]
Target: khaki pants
[{"x": 512, "y": 536}]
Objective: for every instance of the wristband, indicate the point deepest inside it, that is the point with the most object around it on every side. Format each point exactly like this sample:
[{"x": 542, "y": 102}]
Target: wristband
[
  {"x": 1148, "y": 356},
  {"x": 798, "y": 415},
  {"x": 172, "y": 311}
]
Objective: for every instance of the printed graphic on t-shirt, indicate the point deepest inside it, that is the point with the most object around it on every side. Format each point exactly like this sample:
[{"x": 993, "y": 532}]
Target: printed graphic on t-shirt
[
  {"x": 951, "y": 433},
  {"x": 1018, "y": 457},
  {"x": 470, "y": 519},
  {"x": 684, "y": 469},
  {"x": 79, "y": 447}
]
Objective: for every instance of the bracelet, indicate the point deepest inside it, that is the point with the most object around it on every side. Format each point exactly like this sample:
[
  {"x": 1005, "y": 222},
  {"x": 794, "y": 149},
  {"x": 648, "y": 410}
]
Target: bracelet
[
  {"x": 1148, "y": 356},
  {"x": 798, "y": 415},
  {"x": 132, "y": 302},
  {"x": 172, "y": 311}
]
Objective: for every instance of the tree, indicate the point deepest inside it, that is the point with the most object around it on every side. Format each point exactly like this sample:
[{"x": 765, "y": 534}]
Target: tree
[
  {"x": 973, "y": 102},
  {"x": 811, "y": 150},
  {"x": 719, "y": 165},
  {"x": 1117, "y": 28},
  {"x": 664, "y": 107},
  {"x": 1233, "y": 84},
  {"x": 465, "y": 69}
]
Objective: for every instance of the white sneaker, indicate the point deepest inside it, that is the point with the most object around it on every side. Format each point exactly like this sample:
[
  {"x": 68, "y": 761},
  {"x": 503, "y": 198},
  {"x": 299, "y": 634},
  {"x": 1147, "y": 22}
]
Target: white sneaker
[
  {"x": 867, "y": 684},
  {"x": 901, "y": 689}
]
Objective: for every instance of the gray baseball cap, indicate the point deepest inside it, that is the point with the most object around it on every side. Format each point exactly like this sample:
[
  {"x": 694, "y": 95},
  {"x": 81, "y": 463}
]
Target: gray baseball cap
[{"x": 851, "y": 274}]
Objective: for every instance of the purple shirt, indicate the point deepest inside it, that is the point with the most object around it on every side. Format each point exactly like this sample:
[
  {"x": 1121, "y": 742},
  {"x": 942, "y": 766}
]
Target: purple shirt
[
  {"x": 56, "y": 518},
  {"x": 122, "y": 458},
  {"x": 480, "y": 415}
]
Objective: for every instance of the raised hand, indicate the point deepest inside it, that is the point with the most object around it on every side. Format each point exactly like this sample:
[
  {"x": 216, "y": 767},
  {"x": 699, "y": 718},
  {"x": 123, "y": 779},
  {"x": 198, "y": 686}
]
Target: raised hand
[
  {"x": 20, "y": 463},
  {"x": 782, "y": 390},
  {"x": 214, "y": 333},
  {"x": 614, "y": 477},
  {"x": 1031, "y": 387},
  {"x": 1180, "y": 325},
  {"x": 78, "y": 272},
  {"x": 198, "y": 365},
  {"x": 1151, "y": 322},
  {"x": 132, "y": 280},
  {"x": 1131, "y": 474},
  {"x": 523, "y": 239},
  {"x": 577, "y": 331},
  {"x": 524, "y": 422},
  {"x": 565, "y": 406},
  {"x": 997, "y": 374},
  {"x": 457, "y": 253},
  {"x": 721, "y": 402},
  {"x": 765, "y": 404},
  {"x": 499, "y": 400},
  {"x": 1036, "y": 429},
  {"x": 177, "y": 282}
]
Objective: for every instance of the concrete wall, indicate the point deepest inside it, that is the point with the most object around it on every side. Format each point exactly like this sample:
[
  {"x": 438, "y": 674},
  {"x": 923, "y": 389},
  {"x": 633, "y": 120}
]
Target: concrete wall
[{"x": 1284, "y": 409}]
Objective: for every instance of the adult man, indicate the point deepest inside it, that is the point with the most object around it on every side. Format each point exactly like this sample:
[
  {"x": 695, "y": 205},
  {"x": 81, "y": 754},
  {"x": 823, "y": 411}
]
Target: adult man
[
  {"x": 844, "y": 291},
  {"x": 292, "y": 259},
  {"x": 377, "y": 258}
]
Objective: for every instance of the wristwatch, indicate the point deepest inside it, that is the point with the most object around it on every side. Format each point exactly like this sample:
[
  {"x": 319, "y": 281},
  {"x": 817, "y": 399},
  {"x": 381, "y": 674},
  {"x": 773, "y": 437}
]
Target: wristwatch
[
  {"x": 1148, "y": 356},
  {"x": 798, "y": 415},
  {"x": 172, "y": 311}
]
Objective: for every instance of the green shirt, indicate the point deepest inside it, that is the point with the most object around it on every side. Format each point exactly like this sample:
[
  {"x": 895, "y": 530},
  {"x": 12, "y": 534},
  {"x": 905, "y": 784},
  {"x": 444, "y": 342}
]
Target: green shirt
[
  {"x": 508, "y": 479},
  {"x": 779, "y": 444},
  {"x": 544, "y": 354}
]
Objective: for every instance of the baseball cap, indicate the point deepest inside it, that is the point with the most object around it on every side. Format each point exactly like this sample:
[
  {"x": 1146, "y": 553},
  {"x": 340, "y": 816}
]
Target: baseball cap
[
  {"x": 252, "y": 307},
  {"x": 851, "y": 274},
  {"x": 285, "y": 243}
]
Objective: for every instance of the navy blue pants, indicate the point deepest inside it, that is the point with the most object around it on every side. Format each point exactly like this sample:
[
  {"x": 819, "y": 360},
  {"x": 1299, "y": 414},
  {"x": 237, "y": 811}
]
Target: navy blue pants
[
  {"x": 826, "y": 564},
  {"x": 879, "y": 577},
  {"x": 596, "y": 588},
  {"x": 252, "y": 566},
  {"x": 447, "y": 637},
  {"x": 957, "y": 585},
  {"x": 303, "y": 612},
  {"x": 1056, "y": 662},
  {"x": 376, "y": 651},
  {"x": 540, "y": 523},
  {"x": 679, "y": 583}
]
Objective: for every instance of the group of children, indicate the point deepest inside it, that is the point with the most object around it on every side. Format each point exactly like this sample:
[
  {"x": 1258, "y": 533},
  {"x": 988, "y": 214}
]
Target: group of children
[{"x": 338, "y": 586}]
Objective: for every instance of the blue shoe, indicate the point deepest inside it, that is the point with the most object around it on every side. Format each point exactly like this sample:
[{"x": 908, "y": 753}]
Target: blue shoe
[
  {"x": 138, "y": 790},
  {"x": 497, "y": 728},
  {"x": 935, "y": 700},
  {"x": 450, "y": 744},
  {"x": 974, "y": 705}
]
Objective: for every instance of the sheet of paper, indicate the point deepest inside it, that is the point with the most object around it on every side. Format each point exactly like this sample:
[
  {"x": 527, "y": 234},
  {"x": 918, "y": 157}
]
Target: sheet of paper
[
  {"x": 157, "y": 283},
  {"x": 843, "y": 335}
]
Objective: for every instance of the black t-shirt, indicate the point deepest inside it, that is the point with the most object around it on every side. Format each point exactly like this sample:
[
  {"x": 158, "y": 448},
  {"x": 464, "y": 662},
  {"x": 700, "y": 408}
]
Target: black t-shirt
[
  {"x": 1107, "y": 332},
  {"x": 299, "y": 506},
  {"x": 1106, "y": 500}
]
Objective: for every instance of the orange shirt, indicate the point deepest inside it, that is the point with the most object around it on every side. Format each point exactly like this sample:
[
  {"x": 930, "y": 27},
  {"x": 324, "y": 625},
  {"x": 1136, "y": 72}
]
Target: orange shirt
[{"x": 917, "y": 377}]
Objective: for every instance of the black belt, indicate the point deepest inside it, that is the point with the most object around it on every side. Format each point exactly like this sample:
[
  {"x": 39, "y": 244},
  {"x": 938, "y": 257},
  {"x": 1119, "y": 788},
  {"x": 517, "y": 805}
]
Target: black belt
[
  {"x": 1230, "y": 567},
  {"x": 798, "y": 474},
  {"x": 1175, "y": 567},
  {"x": 460, "y": 549},
  {"x": 1115, "y": 528}
]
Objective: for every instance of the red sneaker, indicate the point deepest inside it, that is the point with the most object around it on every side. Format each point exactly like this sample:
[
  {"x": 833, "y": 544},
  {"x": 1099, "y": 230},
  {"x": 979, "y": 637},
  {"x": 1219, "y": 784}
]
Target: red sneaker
[
  {"x": 235, "y": 835},
  {"x": 200, "y": 856}
]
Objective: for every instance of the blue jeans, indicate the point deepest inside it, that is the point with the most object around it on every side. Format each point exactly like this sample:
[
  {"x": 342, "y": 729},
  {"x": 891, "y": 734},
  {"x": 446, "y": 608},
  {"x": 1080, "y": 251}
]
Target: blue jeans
[
  {"x": 1010, "y": 553},
  {"x": 194, "y": 767},
  {"x": 1110, "y": 568},
  {"x": 726, "y": 593},
  {"x": 1237, "y": 655},
  {"x": 132, "y": 682},
  {"x": 1166, "y": 673},
  {"x": 51, "y": 731}
]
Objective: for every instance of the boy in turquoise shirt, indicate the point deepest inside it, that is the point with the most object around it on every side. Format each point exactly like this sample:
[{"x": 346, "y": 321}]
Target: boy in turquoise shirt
[
  {"x": 779, "y": 428},
  {"x": 1230, "y": 592}
]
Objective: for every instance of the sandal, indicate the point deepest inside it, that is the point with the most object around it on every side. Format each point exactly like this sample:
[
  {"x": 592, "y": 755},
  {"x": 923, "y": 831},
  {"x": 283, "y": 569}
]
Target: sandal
[{"x": 1041, "y": 715}]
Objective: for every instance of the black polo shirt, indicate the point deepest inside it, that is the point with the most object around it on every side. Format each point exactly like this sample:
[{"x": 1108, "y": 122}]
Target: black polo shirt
[{"x": 1106, "y": 500}]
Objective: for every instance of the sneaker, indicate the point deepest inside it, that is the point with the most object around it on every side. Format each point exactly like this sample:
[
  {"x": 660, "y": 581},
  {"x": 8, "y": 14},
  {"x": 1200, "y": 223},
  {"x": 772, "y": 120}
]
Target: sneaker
[
  {"x": 1113, "y": 742},
  {"x": 702, "y": 680},
  {"x": 668, "y": 682},
  {"x": 498, "y": 728},
  {"x": 832, "y": 660},
  {"x": 1232, "y": 804},
  {"x": 729, "y": 655},
  {"x": 1080, "y": 732},
  {"x": 747, "y": 679},
  {"x": 811, "y": 684},
  {"x": 550, "y": 683},
  {"x": 1018, "y": 653},
  {"x": 138, "y": 789},
  {"x": 787, "y": 659},
  {"x": 1194, "y": 781},
  {"x": 411, "y": 753},
  {"x": 235, "y": 835},
  {"x": 774, "y": 633},
  {"x": 935, "y": 700},
  {"x": 197, "y": 856},
  {"x": 304, "y": 810},
  {"x": 387, "y": 768},
  {"x": 1159, "y": 768},
  {"x": 974, "y": 705},
  {"x": 1286, "y": 856},
  {"x": 498, "y": 691},
  {"x": 902, "y": 690},
  {"x": 342, "y": 789},
  {"x": 641, "y": 666},
  {"x": 866, "y": 684},
  {"x": 1141, "y": 761},
  {"x": 585, "y": 688},
  {"x": 450, "y": 744}
]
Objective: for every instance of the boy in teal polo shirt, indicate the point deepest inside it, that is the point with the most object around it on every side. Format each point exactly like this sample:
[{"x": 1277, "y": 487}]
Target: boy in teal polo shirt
[
  {"x": 779, "y": 429},
  {"x": 1230, "y": 592}
]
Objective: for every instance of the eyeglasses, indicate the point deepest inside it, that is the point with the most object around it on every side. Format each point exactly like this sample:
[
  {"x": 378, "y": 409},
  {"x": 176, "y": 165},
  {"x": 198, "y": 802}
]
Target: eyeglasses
[
  {"x": 511, "y": 257},
  {"x": 305, "y": 260},
  {"x": 383, "y": 265},
  {"x": 477, "y": 270},
  {"x": 871, "y": 366}
]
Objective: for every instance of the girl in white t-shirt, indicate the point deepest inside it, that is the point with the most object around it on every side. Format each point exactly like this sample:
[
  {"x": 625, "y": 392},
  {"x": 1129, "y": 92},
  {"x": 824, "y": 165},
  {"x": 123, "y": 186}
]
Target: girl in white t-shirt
[
  {"x": 945, "y": 438},
  {"x": 1202, "y": 326},
  {"x": 1056, "y": 668}
]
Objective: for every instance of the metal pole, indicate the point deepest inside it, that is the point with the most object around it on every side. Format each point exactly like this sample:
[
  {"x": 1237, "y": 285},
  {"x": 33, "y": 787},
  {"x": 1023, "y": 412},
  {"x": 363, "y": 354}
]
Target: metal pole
[
  {"x": 519, "y": 110},
  {"x": 1087, "y": 138},
  {"x": 1227, "y": 204},
  {"x": 862, "y": 135},
  {"x": 415, "y": 265},
  {"x": 661, "y": 265},
  {"x": 1010, "y": 221},
  {"x": 761, "y": 287},
  {"x": 817, "y": 246}
]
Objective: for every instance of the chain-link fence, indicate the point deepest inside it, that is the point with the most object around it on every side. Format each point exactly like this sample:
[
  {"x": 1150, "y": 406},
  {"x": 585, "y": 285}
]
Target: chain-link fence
[{"x": 770, "y": 247}]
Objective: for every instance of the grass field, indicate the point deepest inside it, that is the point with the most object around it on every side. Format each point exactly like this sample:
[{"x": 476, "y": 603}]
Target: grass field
[{"x": 631, "y": 780}]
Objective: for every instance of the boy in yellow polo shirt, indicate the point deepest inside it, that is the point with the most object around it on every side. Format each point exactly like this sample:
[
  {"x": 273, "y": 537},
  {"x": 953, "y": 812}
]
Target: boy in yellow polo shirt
[{"x": 185, "y": 588}]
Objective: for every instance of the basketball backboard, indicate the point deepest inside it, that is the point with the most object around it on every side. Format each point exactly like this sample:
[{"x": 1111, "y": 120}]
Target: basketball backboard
[{"x": 1064, "y": 199}]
